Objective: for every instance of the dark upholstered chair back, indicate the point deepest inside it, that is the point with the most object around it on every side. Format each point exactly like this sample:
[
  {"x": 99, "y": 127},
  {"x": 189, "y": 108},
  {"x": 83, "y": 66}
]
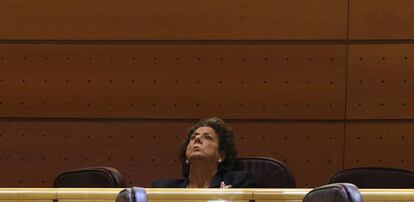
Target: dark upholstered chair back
[
  {"x": 340, "y": 192},
  {"x": 92, "y": 177},
  {"x": 269, "y": 173},
  {"x": 374, "y": 177},
  {"x": 134, "y": 194}
]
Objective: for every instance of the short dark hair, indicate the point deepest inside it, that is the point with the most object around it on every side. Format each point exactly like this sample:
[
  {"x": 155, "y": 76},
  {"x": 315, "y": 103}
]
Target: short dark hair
[{"x": 227, "y": 145}]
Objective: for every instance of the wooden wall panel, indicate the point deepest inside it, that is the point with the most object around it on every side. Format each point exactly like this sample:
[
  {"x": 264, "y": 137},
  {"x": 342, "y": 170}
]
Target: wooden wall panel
[
  {"x": 34, "y": 152},
  {"x": 170, "y": 81},
  {"x": 313, "y": 151},
  {"x": 181, "y": 20},
  {"x": 380, "y": 82},
  {"x": 381, "y": 19},
  {"x": 285, "y": 99},
  {"x": 379, "y": 144}
]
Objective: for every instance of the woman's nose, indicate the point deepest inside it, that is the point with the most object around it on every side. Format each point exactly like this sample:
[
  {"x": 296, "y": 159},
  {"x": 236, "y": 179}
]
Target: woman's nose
[{"x": 198, "y": 139}]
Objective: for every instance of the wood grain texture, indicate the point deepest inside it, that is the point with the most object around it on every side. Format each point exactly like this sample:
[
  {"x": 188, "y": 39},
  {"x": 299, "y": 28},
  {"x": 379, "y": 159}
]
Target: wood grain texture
[
  {"x": 170, "y": 81},
  {"x": 380, "y": 82},
  {"x": 381, "y": 19},
  {"x": 285, "y": 101},
  {"x": 193, "y": 195},
  {"x": 181, "y": 20},
  {"x": 33, "y": 153},
  {"x": 379, "y": 144},
  {"x": 313, "y": 151}
]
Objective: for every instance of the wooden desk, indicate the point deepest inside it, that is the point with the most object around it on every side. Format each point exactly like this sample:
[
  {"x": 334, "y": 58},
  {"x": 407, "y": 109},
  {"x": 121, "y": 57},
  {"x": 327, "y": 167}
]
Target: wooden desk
[{"x": 188, "y": 195}]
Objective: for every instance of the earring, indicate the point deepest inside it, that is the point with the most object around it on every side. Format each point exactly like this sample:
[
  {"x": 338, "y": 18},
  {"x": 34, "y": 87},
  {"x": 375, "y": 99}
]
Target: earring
[
  {"x": 219, "y": 160},
  {"x": 187, "y": 162}
]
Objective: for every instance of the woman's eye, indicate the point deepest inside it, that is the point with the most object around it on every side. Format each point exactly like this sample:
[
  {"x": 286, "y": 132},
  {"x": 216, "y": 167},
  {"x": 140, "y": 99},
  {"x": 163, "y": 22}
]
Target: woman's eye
[
  {"x": 207, "y": 137},
  {"x": 192, "y": 137}
]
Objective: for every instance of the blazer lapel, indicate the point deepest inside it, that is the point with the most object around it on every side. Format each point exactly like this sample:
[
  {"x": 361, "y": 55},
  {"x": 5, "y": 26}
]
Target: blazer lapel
[{"x": 216, "y": 181}]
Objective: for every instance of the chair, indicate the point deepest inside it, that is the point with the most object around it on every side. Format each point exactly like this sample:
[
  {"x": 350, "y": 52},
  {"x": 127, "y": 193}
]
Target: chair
[
  {"x": 339, "y": 192},
  {"x": 91, "y": 177},
  {"x": 134, "y": 194},
  {"x": 269, "y": 173},
  {"x": 376, "y": 177}
]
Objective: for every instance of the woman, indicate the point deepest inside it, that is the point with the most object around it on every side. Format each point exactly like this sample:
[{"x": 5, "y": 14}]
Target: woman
[{"x": 208, "y": 155}]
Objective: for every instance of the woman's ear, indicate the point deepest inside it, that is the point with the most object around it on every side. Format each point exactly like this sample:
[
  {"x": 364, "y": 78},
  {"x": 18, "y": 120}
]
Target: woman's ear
[{"x": 221, "y": 157}]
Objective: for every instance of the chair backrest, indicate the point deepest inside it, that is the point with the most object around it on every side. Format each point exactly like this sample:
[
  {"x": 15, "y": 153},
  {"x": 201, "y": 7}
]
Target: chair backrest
[
  {"x": 134, "y": 194},
  {"x": 90, "y": 177},
  {"x": 339, "y": 192},
  {"x": 376, "y": 177},
  {"x": 268, "y": 173}
]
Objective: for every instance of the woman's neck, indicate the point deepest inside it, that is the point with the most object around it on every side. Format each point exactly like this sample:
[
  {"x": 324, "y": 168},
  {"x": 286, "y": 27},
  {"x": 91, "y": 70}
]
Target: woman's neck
[{"x": 201, "y": 174}]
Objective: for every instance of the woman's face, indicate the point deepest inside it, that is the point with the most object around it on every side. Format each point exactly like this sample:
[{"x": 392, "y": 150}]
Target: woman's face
[{"x": 203, "y": 145}]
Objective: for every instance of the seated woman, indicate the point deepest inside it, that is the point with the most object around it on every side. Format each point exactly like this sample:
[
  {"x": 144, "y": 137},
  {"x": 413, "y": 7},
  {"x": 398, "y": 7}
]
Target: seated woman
[{"x": 208, "y": 155}]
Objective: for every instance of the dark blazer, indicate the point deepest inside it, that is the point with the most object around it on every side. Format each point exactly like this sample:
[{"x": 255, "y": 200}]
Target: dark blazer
[{"x": 231, "y": 179}]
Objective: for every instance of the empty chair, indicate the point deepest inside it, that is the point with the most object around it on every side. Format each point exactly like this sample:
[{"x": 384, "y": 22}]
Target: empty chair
[
  {"x": 91, "y": 177},
  {"x": 375, "y": 177},
  {"x": 339, "y": 192},
  {"x": 268, "y": 173}
]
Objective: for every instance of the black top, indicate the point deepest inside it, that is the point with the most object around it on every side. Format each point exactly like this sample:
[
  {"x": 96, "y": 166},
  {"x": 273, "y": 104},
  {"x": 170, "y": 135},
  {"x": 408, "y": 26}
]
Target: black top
[{"x": 229, "y": 179}]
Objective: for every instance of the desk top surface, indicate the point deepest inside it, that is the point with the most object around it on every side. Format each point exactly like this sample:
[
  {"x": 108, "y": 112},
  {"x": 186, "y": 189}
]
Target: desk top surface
[{"x": 193, "y": 194}]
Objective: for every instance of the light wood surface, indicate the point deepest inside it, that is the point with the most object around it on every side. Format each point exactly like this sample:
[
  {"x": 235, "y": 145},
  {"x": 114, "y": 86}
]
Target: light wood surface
[{"x": 189, "y": 195}]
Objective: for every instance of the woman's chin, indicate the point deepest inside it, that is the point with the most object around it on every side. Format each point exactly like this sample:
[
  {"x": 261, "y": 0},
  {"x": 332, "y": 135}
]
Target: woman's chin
[{"x": 198, "y": 156}]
